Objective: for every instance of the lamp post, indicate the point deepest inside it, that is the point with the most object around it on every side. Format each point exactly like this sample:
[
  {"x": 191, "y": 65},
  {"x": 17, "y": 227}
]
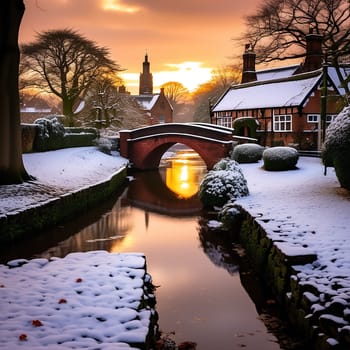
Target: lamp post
[{"x": 323, "y": 116}]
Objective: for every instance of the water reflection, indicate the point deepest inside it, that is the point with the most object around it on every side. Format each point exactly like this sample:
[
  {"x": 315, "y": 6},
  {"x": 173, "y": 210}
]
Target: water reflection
[
  {"x": 200, "y": 296},
  {"x": 183, "y": 173}
]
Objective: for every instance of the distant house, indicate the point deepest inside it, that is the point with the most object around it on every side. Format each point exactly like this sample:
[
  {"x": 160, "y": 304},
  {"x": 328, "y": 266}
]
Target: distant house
[
  {"x": 282, "y": 106},
  {"x": 157, "y": 106},
  {"x": 32, "y": 108}
]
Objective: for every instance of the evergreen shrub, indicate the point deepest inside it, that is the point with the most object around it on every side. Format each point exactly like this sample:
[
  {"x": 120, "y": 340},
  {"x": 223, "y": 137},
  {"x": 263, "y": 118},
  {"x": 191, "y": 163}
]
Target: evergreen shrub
[
  {"x": 280, "y": 158},
  {"x": 223, "y": 184},
  {"x": 336, "y": 148},
  {"x": 247, "y": 153}
]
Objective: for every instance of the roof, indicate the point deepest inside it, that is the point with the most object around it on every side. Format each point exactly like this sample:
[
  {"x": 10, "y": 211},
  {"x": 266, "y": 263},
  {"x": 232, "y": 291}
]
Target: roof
[
  {"x": 276, "y": 73},
  {"x": 147, "y": 101},
  {"x": 277, "y": 87},
  {"x": 290, "y": 91},
  {"x": 345, "y": 71}
]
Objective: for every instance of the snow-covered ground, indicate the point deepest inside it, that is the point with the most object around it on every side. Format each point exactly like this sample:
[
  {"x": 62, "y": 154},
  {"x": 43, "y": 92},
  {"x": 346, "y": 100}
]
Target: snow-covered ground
[
  {"x": 305, "y": 208},
  {"x": 88, "y": 300},
  {"x": 57, "y": 172}
]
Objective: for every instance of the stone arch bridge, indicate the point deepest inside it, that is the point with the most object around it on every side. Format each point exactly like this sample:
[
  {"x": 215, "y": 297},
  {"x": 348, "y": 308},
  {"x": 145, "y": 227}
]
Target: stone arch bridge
[{"x": 144, "y": 147}]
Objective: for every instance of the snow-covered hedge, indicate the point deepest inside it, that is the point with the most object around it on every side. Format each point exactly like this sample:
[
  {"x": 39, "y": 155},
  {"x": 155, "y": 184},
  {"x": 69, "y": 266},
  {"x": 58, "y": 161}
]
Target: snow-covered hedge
[
  {"x": 223, "y": 184},
  {"x": 336, "y": 148},
  {"x": 280, "y": 158},
  {"x": 247, "y": 153},
  {"x": 229, "y": 215},
  {"x": 52, "y": 135},
  {"x": 49, "y": 135}
]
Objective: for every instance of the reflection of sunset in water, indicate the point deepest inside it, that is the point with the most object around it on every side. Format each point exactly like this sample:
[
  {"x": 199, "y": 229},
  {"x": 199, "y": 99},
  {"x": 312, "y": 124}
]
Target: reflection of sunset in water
[{"x": 184, "y": 174}]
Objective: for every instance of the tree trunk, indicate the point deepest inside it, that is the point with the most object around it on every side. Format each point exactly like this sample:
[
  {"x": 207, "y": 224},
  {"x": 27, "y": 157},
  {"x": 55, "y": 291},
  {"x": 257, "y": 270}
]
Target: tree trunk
[
  {"x": 11, "y": 163},
  {"x": 67, "y": 109}
]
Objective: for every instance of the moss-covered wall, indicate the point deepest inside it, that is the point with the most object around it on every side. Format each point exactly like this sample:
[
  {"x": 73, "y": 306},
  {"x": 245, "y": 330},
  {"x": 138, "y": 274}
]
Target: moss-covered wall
[{"x": 324, "y": 327}]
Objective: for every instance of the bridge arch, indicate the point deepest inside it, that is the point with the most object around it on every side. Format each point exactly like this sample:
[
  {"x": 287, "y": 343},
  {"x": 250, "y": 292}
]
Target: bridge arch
[{"x": 144, "y": 147}]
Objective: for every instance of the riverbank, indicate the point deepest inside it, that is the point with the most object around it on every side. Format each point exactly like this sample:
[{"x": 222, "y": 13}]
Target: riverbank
[
  {"x": 67, "y": 182},
  {"x": 295, "y": 232},
  {"x": 300, "y": 210}
]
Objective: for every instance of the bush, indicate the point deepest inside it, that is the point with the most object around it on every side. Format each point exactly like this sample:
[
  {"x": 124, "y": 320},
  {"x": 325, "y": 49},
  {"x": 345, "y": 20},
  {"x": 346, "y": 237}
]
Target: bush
[
  {"x": 280, "y": 158},
  {"x": 247, "y": 153},
  {"x": 223, "y": 184},
  {"x": 336, "y": 148},
  {"x": 230, "y": 215},
  {"x": 104, "y": 145},
  {"x": 49, "y": 134}
]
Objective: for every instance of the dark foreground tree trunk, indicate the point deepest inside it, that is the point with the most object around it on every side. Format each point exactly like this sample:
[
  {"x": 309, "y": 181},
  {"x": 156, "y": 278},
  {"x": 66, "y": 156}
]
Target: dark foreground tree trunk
[{"x": 11, "y": 163}]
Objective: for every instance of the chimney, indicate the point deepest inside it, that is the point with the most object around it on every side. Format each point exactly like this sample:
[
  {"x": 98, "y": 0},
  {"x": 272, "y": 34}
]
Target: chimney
[
  {"x": 249, "y": 73},
  {"x": 314, "y": 55}
]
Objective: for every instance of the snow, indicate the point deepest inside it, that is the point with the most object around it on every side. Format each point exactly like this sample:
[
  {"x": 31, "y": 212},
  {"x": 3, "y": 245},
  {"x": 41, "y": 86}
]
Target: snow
[
  {"x": 268, "y": 94},
  {"x": 56, "y": 173},
  {"x": 85, "y": 300},
  {"x": 301, "y": 209}
]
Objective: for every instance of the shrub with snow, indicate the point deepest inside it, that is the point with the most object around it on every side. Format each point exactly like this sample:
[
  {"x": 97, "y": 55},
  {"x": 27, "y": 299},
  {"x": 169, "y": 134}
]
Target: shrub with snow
[
  {"x": 336, "y": 148},
  {"x": 229, "y": 215},
  {"x": 280, "y": 158},
  {"x": 247, "y": 153},
  {"x": 49, "y": 135},
  {"x": 104, "y": 145},
  {"x": 223, "y": 184}
]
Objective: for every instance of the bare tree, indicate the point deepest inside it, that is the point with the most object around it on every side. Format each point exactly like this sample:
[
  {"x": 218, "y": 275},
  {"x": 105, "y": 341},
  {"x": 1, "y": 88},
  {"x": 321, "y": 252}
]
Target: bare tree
[
  {"x": 101, "y": 103},
  {"x": 279, "y": 28},
  {"x": 175, "y": 92},
  {"x": 65, "y": 63},
  {"x": 207, "y": 94},
  {"x": 11, "y": 164}
]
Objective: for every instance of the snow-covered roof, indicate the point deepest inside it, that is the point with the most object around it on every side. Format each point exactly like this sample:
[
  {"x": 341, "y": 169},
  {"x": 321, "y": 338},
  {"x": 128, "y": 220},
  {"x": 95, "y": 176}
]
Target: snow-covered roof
[
  {"x": 276, "y": 73},
  {"x": 147, "y": 101},
  {"x": 345, "y": 71},
  {"x": 287, "y": 92}
]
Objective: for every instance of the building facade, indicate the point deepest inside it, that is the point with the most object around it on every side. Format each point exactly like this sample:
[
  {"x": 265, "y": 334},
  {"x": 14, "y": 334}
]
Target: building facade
[{"x": 282, "y": 106}]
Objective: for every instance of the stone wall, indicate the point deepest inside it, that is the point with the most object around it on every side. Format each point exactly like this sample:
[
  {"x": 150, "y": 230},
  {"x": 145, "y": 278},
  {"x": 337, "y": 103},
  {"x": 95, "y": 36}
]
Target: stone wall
[
  {"x": 322, "y": 319},
  {"x": 58, "y": 209}
]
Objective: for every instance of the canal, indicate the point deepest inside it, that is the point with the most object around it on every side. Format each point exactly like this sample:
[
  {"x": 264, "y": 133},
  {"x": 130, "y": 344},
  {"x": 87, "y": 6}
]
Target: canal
[{"x": 200, "y": 294}]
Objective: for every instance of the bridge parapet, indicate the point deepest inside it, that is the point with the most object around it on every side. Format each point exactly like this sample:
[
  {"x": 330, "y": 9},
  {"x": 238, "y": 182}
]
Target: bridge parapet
[{"x": 145, "y": 146}]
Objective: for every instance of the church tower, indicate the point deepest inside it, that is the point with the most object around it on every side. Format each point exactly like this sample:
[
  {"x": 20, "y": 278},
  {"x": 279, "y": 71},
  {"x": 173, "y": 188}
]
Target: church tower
[{"x": 146, "y": 79}]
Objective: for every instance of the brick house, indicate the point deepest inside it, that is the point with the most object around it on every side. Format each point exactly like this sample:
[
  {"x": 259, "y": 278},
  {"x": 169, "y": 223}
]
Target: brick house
[
  {"x": 282, "y": 106},
  {"x": 157, "y": 106}
]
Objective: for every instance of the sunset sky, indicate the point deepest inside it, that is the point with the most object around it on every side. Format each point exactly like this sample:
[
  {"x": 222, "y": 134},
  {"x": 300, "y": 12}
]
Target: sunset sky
[{"x": 184, "y": 39}]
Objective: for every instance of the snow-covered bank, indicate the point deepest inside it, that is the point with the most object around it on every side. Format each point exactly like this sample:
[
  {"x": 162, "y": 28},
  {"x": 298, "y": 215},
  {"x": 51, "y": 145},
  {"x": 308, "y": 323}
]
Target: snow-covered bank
[
  {"x": 312, "y": 207},
  {"x": 94, "y": 300},
  {"x": 56, "y": 173},
  {"x": 305, "y": 213}
]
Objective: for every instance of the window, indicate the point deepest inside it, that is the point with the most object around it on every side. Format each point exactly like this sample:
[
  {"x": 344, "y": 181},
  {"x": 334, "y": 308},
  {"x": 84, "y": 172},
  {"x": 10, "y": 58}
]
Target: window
[
  {"x": 313, "y": 118},
  {"x": 282, "y": 122},
  {"x": 224, "y": 121}
]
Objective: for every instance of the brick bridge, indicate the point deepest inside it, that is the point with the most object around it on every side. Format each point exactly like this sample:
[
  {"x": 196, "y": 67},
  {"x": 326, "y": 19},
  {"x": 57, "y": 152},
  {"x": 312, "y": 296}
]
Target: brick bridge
[{"x": 144, "y": 147}]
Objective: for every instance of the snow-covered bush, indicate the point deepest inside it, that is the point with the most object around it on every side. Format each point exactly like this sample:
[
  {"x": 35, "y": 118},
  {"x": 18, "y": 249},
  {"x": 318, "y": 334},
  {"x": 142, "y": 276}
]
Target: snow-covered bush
[
  {"x": 280, "y": 158},
  {"x": 247, "y": 153},
  {"x": 104, "y": 145},
  {"x": 336, "y": 148},
  {"x": 229, "y": 215},
  {"x": 227, "y": 164},
  {"x": 223, "y": 184},
  {"x": 49, "y": 135}
]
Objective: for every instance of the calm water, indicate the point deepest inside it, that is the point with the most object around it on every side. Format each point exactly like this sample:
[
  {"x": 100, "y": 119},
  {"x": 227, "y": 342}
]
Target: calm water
[{"x": 200, "y": 295}]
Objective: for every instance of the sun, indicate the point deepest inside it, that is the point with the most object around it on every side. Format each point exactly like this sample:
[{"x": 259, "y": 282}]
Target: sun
[{"x": 189, "y": 74}]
